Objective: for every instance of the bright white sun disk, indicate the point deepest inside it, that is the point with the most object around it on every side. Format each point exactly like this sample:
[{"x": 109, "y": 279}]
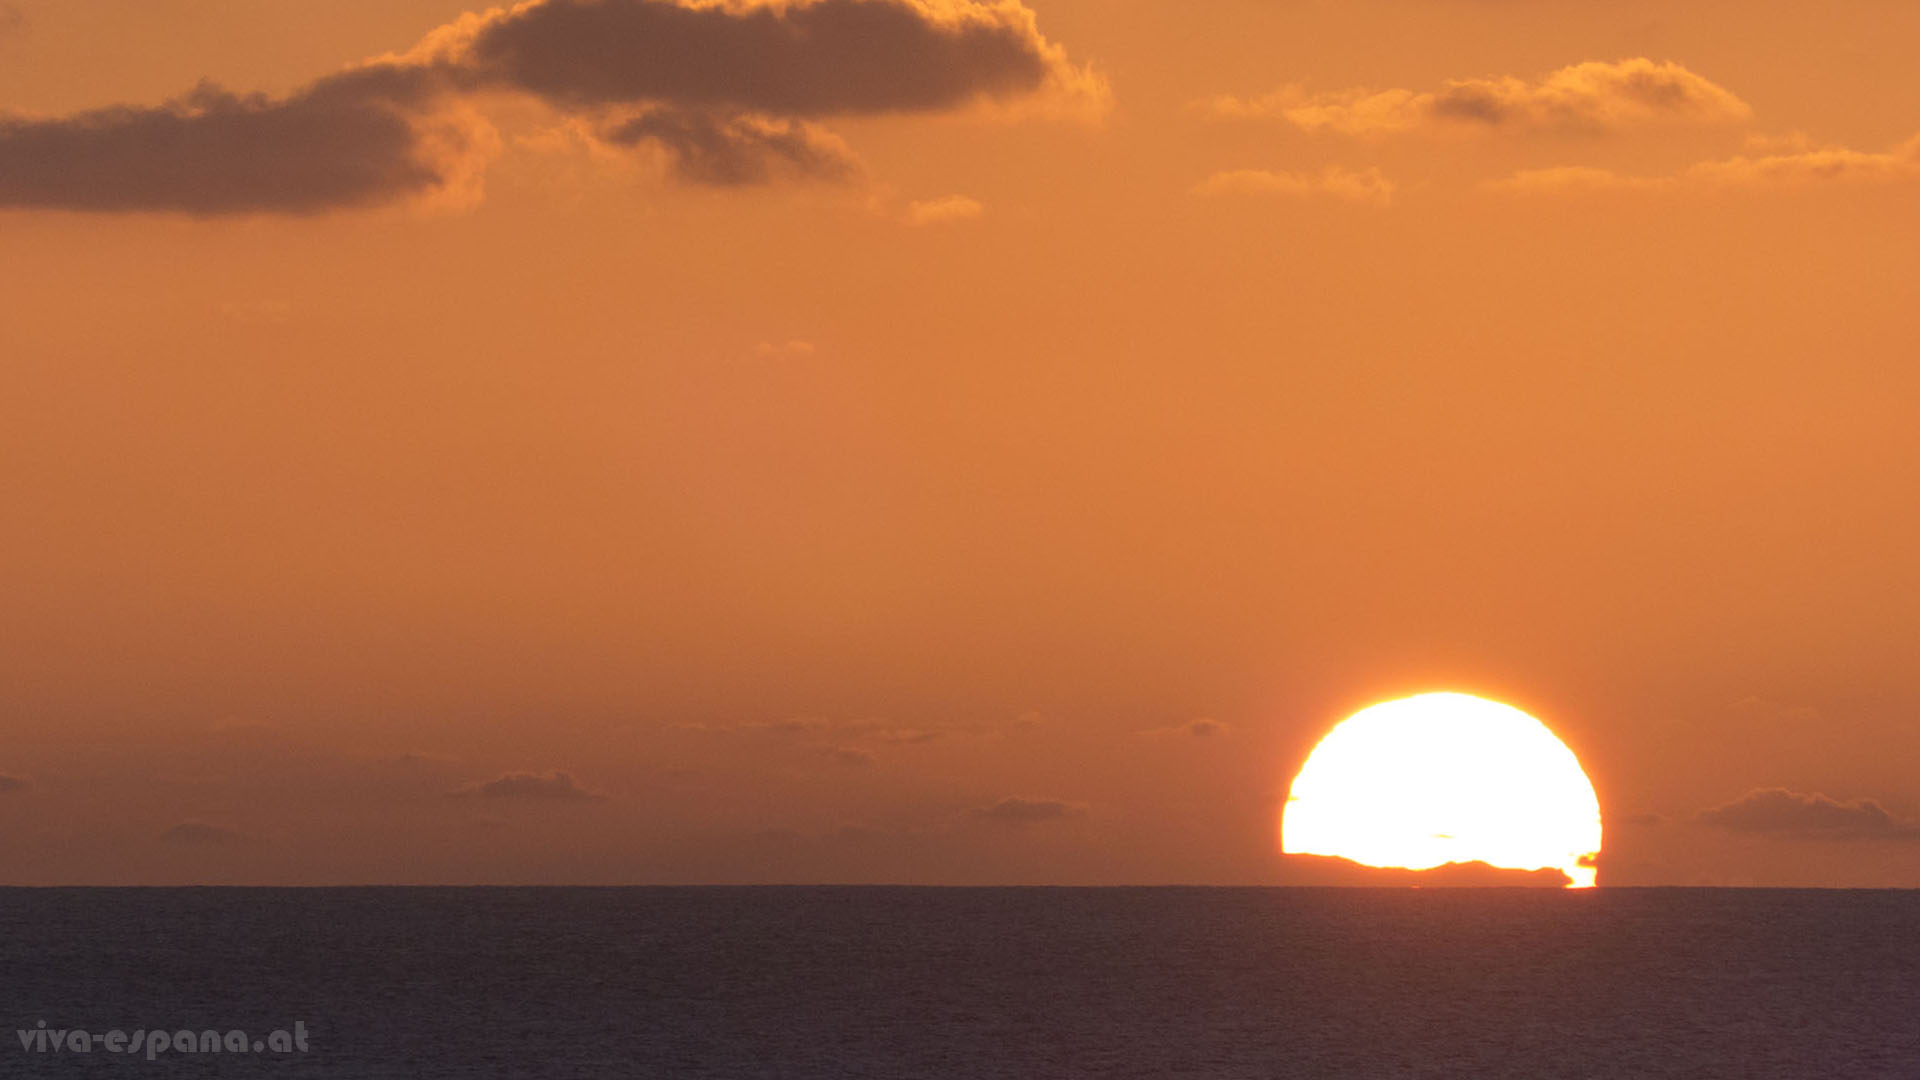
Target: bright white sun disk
[{"x": 1441, "y": 778}]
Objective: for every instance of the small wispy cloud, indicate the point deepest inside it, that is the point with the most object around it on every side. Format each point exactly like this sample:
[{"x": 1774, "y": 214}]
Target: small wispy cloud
[
  {"x": 1205, "y": 727},
  {"x": 1588, "y": 98},
  {"x": 546, "y": 786},
  {"x": 1017, "y": 811},
  {"x": 1807, "y": 166},
  {"x": 904, "y": 735},
  {"x": 1366, "y": 186},
  {"x": 852, "y": 756},
  {"x": 944, "y": 211}
]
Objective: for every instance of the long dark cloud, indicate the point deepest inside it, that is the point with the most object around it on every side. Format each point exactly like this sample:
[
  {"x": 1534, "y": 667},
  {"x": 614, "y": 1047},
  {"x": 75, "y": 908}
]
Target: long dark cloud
[
  {"x": 829, "y": 57},
  {"x": 1810, "y": 816},
  {"x": 349, "y": 140},
  {"x": 724, "y": 90}
]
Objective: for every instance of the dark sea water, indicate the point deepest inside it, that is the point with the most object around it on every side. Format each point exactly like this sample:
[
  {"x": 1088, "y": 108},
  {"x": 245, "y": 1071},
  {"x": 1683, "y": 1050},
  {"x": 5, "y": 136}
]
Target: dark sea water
[{"x": 897, "y": 983}]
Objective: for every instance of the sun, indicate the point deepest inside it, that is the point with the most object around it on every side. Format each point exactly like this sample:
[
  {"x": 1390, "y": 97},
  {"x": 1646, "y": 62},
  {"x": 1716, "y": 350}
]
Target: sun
[{"x": 1440, "y": 778}]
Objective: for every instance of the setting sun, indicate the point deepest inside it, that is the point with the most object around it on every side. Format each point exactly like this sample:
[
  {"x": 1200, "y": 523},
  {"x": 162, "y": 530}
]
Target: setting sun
[{"x": 1445, "y": 778}]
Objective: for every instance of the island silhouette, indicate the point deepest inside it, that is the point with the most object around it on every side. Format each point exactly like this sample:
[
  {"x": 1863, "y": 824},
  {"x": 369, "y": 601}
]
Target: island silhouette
[{"x": 1336, "y": 871}]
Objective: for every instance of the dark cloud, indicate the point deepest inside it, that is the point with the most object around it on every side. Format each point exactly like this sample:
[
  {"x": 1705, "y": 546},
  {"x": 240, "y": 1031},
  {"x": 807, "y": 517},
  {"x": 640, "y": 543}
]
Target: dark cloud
[
  {"x": 11, "y": 783},
  {"x": 1016, "y": 811},
  {"x": 1809, "y": 816},
  {"x": 824, "y": 58},
  {"x": 721, "y": 150},
  {"x": 356, "y": 139},
  {"x": 724, "y": 89},
  {"x": 548, "y": 786},
  {"x": 12, "y": 21},
  {"x": 196, "y": 834}
]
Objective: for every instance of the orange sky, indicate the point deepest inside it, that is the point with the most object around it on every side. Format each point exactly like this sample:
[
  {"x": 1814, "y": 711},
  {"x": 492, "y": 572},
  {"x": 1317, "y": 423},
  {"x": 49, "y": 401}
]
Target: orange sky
[{"x": 865, "y": 454}]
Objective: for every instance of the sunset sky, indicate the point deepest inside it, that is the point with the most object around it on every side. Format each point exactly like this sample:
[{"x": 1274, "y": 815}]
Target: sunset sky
[{"x": 939, "y": 442}]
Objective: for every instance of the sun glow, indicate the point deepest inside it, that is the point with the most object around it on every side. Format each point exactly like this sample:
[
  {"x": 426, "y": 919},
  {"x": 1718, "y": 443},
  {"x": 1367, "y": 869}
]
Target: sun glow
[{"x": 1441, "y": 778}]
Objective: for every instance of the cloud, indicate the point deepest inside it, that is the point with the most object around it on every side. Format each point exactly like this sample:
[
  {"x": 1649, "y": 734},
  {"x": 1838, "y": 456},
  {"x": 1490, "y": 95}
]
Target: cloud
[
  {"x": 728, "y": 151},
  {"x": 829, "y": 57},
  {"x": 1204, "y": 728},
  {"x": 944, "y": 211},
  {"x": 12, "y": 21},
  {"x": 1818, "y": 166},
  {"x": 849, "y": 755},
  {"x": 1795, "y": 168},
  {"x": 904, "y": 735},
  {"x": 11, "y": 783},
  {"x": 1586, "y": 98},
  {"x": 1809, "y": 816},
  {"x": 547, "y": 786},
  {"x": 361, "y": 138},
  {"x": 846, "y": 731},
  {"x": 1367, "y": 186},
  {"x": 1564, "y": 178},
  {"x": 1015, "y": 811},
  {"x": 727, "y": 91},
  {"x": 196, "y": 834},
  {"x": 793, "y": 725}
]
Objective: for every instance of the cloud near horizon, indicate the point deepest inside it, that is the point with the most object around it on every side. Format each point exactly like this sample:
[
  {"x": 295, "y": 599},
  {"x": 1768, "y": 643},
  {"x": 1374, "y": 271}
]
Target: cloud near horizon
[
  {"x": 724, "y": 91},
  {"x": 547, "y": 786},
  {"x": 1793, "y": 168},
  {"x": 1017, "y": 811},
  {"x": 1810, "y": 816},
  {"x": 1588, "y": 98}
]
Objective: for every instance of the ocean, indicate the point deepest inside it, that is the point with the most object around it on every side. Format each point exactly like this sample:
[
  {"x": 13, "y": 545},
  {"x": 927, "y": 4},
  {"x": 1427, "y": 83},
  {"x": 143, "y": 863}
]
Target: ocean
[{"x": 1001, "y": 983}]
